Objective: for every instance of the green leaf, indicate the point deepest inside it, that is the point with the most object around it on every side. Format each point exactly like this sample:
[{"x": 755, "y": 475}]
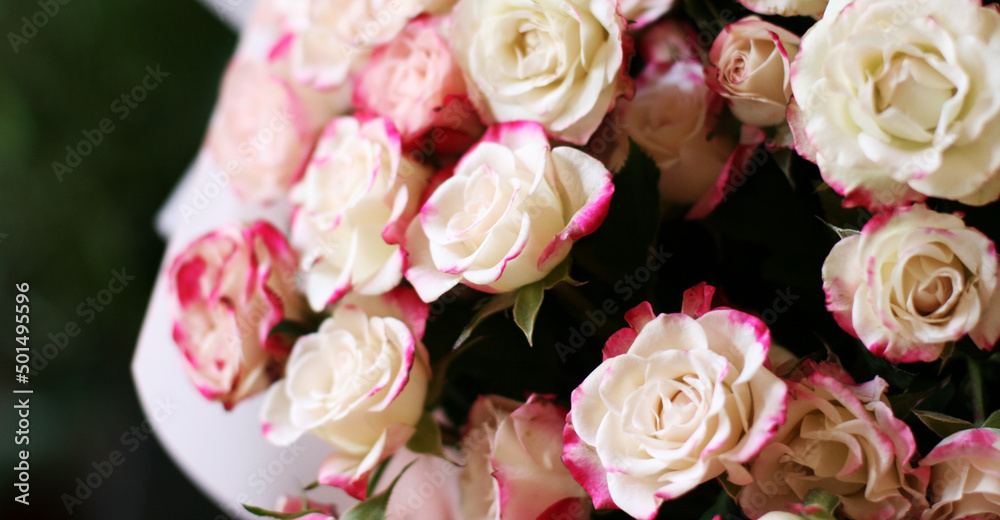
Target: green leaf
[
  {"x": 903, "y": 405},
  {"x": 723, "y": 506},
  {"x": 941, "y": 424},
  {"x": 526, "y": 305},
  {"x": 374, "y": 507},
  {"x": 993, "y": 421},
  {"x": 292, "y": 328},
  {"x": 427, "y": 437},
  {"x": 275, "y": 514},
  {"x": 376, "y": 475},
  {"x": 488, "y": 307}
]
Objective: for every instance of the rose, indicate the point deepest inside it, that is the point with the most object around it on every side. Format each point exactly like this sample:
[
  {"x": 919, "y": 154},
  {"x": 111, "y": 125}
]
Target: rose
[
  {"x": 679, "y": 400},
  {"x": 670, "y": 41},
  {"x": 259, "y": 131},
  {"x": 508, "y": 215},
  {"x": 411, "y": 79},
  {"x": 334, "y": 37},
  {"x": 840, "y": 437},
  {"x": 895, "y": 101},
  {"x": 559, "y": 62},
  {"x": 965, "y": 476},
  {"x": 750, "y": 68},
  {"x": 228, "y": 289},
  {"x": 353, "y": 204},
  {"x": 812, "y": 8},
  {"x": 673, "y": 119},
  {"x": 294, "y": 504},
  {"x": 358, "y": 383},
  {"x": 912, "y": 281},
  {"x": 640, "y": 12},
  {"x": 513, "y": 469},
  {"x": 427, "y": 489}
]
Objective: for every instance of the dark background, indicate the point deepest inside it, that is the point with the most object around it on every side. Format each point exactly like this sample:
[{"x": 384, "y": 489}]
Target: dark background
[{"x": 65, "y": 238}]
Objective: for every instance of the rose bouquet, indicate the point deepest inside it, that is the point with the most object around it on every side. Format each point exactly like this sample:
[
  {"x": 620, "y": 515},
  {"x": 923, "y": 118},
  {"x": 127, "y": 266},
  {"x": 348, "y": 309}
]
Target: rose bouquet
[{"x": 547, "y": 251}]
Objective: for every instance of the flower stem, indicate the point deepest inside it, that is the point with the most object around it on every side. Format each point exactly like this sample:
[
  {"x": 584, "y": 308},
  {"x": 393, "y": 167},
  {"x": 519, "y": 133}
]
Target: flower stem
[{"x": 976, "y": 381}]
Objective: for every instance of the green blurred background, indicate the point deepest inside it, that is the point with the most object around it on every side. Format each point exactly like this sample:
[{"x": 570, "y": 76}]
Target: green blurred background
[{"x": 65, "y": 238}]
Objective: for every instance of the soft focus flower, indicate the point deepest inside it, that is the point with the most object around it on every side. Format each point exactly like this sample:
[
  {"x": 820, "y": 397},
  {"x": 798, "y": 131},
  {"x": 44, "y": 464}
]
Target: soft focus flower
[
  {"x": 895, "y": 101},
  {"x": 259, "y": 133},
  {"x": 673, "y": 119},
  {"x": 508, "y": 215},
  {"x": 641, "y": 12},
  {"x": 912, "y": 281},
  {"x": 332, "y": 38},
  {"x": 812, "y": 8},
  {"x": 295, "y": 504},
  {"x": 559, "y": 62},
  {"x": 513, "y": 462},
  {"x": 671, "y": 41},
  {"x": 679, "y": 400},
  {"x": 965, "y": 476},
  {"x": 840, "y": 437},
  {"x": 358, "y": 383},
  {"x": 353, "y": 204},
  {"x": 427, "y": 490},
  {"x": 751, "y": 62},
  {"x": 411, "y": 79},
  {"x": 229, "y": 288}
]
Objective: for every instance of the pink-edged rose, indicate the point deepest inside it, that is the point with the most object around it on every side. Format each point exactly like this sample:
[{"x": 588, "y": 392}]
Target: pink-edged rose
[
  {"x": 965, "y": 476},
  {"x": 750, "y": 67},
  {"x": 912, "y": 281},
  {"x": 295, "y": 504},
  {"x": 334, "y": 38},
  {"x": 513, "y": 469},
  {"x": 812, "y": 8},
  {"x": 259, "y": 134},
  {"x": 352, "y": 207},
  {"x": 412, "y": 80},
  {"x": 562, "y": 63},
  {"x": 671, "y": 41},
  {"x": 679, "y": 400},
  {"x": 228, "y": 289},
  {"x": 843, "y": 438},
  {"x": 508, "y": 215},
  {"x": 894, "y": 104},
  {"x": 673, "y": 119},
  {"x": 639, "y": 13},
  {"x": 358, "y": 383}
]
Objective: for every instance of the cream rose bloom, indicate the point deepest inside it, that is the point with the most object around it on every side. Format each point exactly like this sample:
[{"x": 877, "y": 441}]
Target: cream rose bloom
[
  {"x": 896, "y": 101},
  {"x": 679, "y": 400},
  {"x": 965, "y": 476},
  {"x": 558, "y": 62},
  {"x": 335, "y": 37},
  {"x": 507, "y": 215},
  {"x": 840, "y": 437},
  {"x": 912, "y": 281},
  {"x": 751, "y": 64},
  {"x": 358, "y": 383},
  {"x": 228, "y": 289},
  {"x": 812, "y": 8},
  {"x": 513, "y": 468},
  {"x": 352, "y": 206}
]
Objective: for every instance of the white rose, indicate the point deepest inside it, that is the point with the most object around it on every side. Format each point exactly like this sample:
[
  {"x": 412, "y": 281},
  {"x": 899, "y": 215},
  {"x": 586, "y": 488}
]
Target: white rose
[
  {"x": 641, "y": 12},
  {"x": 228, "y": 289},
  {"x": 840, "y": 437},
  {"x": 558, "y": 62},
  {"x": 812, "y": 8},
  {"x": 751, "y": 61},
  {"x": 965, "y": 476},
  {"x": 335, "y": 37},
  {"x": 677, "y": 402},
  {"x": 359, "y": 383},
  {"x": 508, "y": 215},
  {"x": 912, "y": 281},
  {"x": 353, "y": 204},
  {"x": 896, "y": 101},
  {"x": 513, "y": 469}
]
